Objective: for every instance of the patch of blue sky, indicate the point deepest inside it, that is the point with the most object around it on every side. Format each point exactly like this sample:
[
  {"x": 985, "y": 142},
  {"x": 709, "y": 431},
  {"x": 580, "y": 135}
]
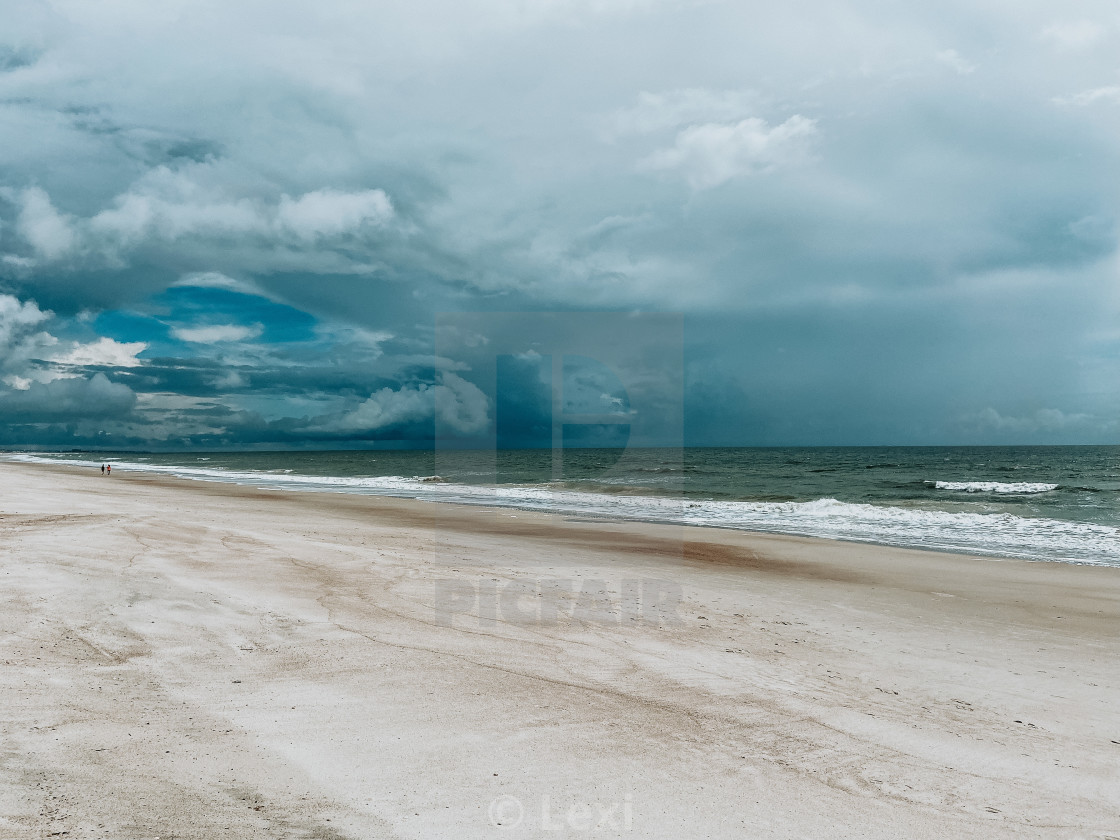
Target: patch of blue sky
[{"x": 192, "y": 308}]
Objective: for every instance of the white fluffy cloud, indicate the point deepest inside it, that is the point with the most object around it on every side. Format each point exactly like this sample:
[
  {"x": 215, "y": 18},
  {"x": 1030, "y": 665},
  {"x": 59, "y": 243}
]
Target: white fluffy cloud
[
  {"x": 103, "y": 352},
  {"x": 332, "y": 212},
  {"x": 23, "y": 347},
  {"x": 19, "y": 383},
  {"x": 217, "y": 280},
  {"x": 50, "y": 233},
  {"x": 171, "y": 205},
  {"x": 22, "y": 343},
  {"x": 459, "y": 407},
  {"x": 45, "y": 382},
  {"x": 712, "y": 153},
  {"x": 217, "y": 333},
  {"x": 387, "y": 407},
  {"x": 168, "y": 205},
  {"x": 16, "y": 317}
]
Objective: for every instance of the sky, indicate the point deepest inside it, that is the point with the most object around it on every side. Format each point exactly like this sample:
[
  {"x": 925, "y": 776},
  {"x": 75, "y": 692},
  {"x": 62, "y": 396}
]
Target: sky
[{"x": 276, "y": 224}]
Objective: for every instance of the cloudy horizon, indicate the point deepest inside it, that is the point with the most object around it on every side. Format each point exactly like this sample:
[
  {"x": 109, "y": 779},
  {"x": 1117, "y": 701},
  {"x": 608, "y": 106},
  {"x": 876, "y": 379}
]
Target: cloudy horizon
[{"x": 237, "y": 226}]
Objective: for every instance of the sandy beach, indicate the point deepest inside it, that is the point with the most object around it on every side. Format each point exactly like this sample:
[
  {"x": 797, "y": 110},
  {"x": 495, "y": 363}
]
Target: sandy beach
[{"x": 192, "y": 660}]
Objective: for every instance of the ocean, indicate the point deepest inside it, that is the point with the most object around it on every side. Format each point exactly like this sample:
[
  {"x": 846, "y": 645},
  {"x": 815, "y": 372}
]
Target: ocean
[{"x": 1059, "y": 503}]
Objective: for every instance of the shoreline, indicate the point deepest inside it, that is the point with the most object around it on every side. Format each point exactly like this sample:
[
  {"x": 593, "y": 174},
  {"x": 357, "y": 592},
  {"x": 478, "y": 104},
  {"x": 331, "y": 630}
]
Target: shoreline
[
  {"x": 186, "y": 657},
  {"x": 977, "y": 552}
]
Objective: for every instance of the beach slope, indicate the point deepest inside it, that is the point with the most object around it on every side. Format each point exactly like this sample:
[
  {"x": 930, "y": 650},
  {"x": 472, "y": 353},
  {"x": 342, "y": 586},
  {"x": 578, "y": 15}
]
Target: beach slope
[{"x": 191, "y": 660}]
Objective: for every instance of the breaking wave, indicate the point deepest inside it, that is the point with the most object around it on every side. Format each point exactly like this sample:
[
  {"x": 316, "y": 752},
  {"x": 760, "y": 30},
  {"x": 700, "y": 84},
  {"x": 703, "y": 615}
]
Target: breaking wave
[
  {"x": 994, "y": 486},
  {"x": 992, "y": 534}
]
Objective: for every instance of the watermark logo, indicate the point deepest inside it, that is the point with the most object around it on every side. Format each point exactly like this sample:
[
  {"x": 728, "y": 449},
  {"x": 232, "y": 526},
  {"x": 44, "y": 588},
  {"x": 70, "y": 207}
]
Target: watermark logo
[
  {"x": 571, "y": 412},
  {"x": 508, "y": 812},
  {"x": 552, "y": 602},
  {"x": 559, "y": 384}
]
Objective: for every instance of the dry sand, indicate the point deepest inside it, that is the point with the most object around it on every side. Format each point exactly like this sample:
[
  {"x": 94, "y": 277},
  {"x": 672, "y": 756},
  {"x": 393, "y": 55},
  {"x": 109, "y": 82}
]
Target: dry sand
[{"x": 205, "y": 661}]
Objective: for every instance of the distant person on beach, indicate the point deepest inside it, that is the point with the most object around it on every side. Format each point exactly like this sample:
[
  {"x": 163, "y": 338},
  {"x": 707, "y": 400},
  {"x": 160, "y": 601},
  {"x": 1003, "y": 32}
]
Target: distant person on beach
[
  {"x": 103, "y": 469},
  {"x": 109, "y": 469}
]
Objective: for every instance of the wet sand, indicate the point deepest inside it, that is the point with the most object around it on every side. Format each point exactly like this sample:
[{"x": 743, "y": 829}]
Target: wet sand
[{"x": 192, "y": 660}]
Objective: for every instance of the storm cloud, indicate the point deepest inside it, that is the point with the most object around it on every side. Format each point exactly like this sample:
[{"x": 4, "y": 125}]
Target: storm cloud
[{"x": 237, "y": 224}]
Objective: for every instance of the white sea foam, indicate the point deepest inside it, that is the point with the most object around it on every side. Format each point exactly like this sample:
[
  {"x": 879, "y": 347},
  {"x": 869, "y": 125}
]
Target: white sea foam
[
  {"x": 995, "y": 486},
  {"x": 994, "y": 534}
]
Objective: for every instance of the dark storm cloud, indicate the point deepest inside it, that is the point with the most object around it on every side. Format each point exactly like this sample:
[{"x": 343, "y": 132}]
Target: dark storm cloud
[
  {"x": 150, "y": 145},
  {"x": 67, "y": 399},
  {"x": 523, "y": 404},
  {"x": 12, "y": 58},
  {"x": 882, "y": 224}
]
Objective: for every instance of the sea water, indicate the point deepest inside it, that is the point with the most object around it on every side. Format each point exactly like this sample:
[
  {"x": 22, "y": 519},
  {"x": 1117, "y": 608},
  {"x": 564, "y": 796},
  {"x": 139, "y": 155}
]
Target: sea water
[{"x": 1039, "y": 503}]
